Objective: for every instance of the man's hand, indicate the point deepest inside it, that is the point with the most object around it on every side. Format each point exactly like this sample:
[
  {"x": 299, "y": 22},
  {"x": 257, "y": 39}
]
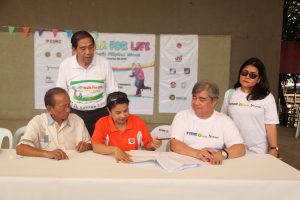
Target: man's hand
[
  {"x": 56, "y": 154},
  {"x": 217, "y": 158},
  {"x": 122, "y": 156},
  {"x": 83, "y": 146},
  {"x": 205, "y": 154}
]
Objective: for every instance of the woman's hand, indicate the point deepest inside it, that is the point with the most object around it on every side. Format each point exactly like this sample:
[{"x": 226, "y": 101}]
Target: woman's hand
[
  {"x": 273, "y": 152},
  {"x": 122, "y": 156},
  {"x": 154, "y": 144}
]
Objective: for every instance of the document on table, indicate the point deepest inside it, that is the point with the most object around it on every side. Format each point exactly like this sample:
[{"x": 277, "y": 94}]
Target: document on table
[{"x": 170, "y": 161}]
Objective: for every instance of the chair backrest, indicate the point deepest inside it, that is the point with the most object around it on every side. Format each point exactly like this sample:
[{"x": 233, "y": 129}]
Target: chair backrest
[
  {"x": 6, "y": 133},
  {"x": 162, "y": 131},
  {"x": 18, "y": 134}
]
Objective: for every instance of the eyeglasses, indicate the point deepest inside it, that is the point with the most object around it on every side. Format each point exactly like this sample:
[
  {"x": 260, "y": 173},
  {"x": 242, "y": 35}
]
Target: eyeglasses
[{"x": 252, "y": 75}]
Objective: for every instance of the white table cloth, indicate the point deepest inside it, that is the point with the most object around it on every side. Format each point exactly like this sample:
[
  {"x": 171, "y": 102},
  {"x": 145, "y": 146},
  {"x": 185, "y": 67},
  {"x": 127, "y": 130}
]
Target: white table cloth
[{"x": 92, "y": 176}]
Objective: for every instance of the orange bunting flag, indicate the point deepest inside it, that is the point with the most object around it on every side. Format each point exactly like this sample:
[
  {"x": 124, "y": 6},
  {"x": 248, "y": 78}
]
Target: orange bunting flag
[
  {"x": 26, "y": 31},
  {"x": 11, "y": 30},
  {"x": 54, "y": 31}
]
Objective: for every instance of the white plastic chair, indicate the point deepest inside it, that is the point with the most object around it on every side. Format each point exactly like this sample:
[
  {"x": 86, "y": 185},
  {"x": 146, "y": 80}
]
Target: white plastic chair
[
  {"x": 162, "y": 131},
  {"x": 298, "y": 126},
  {"x": 18, "y": 134},
  {"x": 6, "y": 133}
]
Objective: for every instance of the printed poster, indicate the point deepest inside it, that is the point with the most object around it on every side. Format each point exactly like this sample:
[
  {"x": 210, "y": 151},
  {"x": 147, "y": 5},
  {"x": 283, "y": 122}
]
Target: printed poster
[
  {"x": 49, "y": 52},
  {"x": 130, "y": 55},
  {"x": 132, "y": 59},
  {"x": 178, "y": 71}
]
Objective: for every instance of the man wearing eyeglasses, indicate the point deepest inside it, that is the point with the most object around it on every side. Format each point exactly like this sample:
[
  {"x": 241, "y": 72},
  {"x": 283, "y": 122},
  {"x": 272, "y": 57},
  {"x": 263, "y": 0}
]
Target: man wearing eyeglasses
[
  {"x": 88, "y": 78},
  {"x": 204, "y": 133},
  {"x": 49, "y": 134}
]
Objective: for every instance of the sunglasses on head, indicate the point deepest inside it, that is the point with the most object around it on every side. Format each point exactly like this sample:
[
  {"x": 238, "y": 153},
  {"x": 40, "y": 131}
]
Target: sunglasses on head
[
  {"x": 252, "y": 75},
  {"x": 117, "y": 100}
]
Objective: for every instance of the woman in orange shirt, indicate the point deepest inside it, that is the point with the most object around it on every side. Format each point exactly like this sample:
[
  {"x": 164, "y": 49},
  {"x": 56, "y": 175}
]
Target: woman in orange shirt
[{"x": 121, "y": 131}]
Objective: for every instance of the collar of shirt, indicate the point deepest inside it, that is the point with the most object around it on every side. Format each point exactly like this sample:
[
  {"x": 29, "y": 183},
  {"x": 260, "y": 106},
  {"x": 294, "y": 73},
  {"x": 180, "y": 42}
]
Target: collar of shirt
[
  {"x": 51, "y": 121},
  {"x": 129, "y": 124},
  {"x": 77, "y": 66}
]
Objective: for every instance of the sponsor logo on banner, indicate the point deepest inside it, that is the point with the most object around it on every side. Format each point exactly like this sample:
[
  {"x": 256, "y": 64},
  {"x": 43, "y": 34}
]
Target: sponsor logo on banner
[
  {"x": 172, "y": 71},
  {"x": 178, "y": 59},
  {"x": 178, "y": 45},
  {"x": 187, "y": 70},
  {"x": 172, "y": 97},
  {"x": 183, "y": 84},
  {"x": 173, "y": 85}
]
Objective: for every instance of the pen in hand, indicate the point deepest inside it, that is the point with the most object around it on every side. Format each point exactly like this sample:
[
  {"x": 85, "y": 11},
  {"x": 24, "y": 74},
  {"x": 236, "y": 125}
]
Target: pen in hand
[{"x": 168, "y": 138}]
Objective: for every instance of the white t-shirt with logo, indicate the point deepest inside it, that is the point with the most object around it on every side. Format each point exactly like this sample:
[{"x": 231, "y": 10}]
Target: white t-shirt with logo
[
  {"x": 251, "y": 118},
  {"x": 87, "y": 88},
  {"x": 217, "y": 132}
]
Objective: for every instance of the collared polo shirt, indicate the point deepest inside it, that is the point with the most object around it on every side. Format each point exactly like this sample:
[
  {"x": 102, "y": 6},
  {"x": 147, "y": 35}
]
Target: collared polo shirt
[
  {"x": 136, "y": 134},
  {"x": 43, "y": 132},
  {"x": 88, "y": 87}
]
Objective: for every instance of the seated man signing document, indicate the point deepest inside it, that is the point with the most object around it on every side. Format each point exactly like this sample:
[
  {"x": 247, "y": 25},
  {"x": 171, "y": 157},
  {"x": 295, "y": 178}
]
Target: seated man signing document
[
  {"x": 204, "y": 133},
  {"x": 49, "y": 134}
]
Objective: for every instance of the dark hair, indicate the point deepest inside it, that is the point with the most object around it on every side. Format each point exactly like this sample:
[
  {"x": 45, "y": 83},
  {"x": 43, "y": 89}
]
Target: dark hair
[
  {"x": 116, "y": 98},
  {"x": 211, "y": 88},
  {"x": 80, "y": 35},
  {"x": 261, "y": 89},
  {"x": 49, "y": 100}
]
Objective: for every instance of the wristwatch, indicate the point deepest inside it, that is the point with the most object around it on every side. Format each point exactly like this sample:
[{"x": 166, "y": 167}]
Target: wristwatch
[
  {"x": 274, "y": 148},
  {"x": 224, "y": 153}
]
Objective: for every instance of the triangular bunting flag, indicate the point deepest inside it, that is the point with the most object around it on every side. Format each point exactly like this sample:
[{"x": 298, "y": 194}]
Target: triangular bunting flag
[
  {"x": 26, "y": 30},
  {"x": 54, "y": 31},
  {"x": 96, "y": 34},
  {"x": 40, "y": 31},
  {"x": 69, "y": 33},
  {"x": 11, "y": 30}
]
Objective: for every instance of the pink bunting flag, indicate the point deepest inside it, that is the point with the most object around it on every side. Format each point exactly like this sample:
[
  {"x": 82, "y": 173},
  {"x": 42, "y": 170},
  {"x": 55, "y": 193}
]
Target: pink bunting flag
[
  {"x": 54, "y": 31},
  {"x": 26, "y": 30},
  {"x": 40, "y": 31},
  {"x": 11, "y": 30}
]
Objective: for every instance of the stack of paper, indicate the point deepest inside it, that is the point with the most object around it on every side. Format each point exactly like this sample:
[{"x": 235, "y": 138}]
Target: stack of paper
[{"x": 170, "y": 161}]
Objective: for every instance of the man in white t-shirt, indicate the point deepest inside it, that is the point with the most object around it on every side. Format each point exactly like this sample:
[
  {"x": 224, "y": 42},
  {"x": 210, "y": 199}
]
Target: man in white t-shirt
[
  {"x": 88, "y": 78},
  {"x": 49, "y": 134},
  {"x": 204, "y": 133}
]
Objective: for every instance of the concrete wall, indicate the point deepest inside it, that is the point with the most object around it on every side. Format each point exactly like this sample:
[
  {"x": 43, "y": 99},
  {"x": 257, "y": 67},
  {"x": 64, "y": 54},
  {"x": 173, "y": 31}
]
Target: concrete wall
[{"x": 229, "y": 32}]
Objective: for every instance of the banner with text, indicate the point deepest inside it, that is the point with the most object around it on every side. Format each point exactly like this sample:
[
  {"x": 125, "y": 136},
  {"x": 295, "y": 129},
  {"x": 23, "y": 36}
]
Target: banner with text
[
  {"x": 49, "y": 52},
  {"x": 178, "y": 71},
  {"x": 132, "y": 58}
]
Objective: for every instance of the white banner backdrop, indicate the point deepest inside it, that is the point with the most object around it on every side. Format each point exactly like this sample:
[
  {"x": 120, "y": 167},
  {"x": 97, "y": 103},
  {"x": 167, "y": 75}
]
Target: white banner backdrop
[
  {"x": 178, "y": 71},
  {"x": 49, "y": 52},
  {"x": 130, "y": 55},
  {"x": 132, "y": 58}
]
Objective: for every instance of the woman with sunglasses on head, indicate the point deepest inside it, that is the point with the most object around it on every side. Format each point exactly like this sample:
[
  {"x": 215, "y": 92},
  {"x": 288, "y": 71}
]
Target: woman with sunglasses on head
[
  {"x": 121, "y": 131},
  {"x": 253, "y": 109}
]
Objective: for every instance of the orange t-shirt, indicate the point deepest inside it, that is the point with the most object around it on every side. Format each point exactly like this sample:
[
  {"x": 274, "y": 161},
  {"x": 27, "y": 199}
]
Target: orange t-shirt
[{"x": 136, "y": 133}]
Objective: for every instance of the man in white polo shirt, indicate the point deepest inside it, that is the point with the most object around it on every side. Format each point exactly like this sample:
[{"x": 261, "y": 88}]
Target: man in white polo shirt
[
  {"x": 88, "y": 78},
  {"x": 49, "y": 134},
  {"x": 204, "y": 133}
]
